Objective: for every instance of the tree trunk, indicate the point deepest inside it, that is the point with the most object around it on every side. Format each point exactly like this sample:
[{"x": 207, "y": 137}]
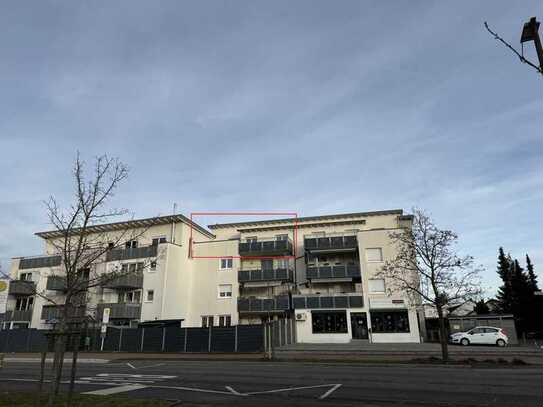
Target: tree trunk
[
  {"x": 74, "y": 368},
  {"x": 42, "y": 376},
  {"x": 443, "y": 336},
  {"x": 60, "y": 346}
]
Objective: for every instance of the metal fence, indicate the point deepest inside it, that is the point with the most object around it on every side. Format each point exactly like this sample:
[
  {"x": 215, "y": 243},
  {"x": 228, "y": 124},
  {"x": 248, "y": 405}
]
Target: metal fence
[{"x": 240, "y": 338}]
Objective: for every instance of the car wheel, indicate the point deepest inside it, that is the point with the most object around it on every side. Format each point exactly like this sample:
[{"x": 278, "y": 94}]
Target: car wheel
[
  {"x": 501, "y": 343},
  {"x": 464, "y": 342}
]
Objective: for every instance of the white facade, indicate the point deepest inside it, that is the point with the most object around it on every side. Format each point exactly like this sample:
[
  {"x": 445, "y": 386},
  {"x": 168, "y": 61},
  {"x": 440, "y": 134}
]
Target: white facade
[{"x": 242, "y": 273}]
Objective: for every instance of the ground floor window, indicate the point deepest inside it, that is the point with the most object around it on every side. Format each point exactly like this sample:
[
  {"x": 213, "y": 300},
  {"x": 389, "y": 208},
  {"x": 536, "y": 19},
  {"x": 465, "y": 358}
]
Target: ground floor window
[
  {"x": 329, "y": 322},
  {"x": 225, "y": 320},
  {"x": 396, "y": 321}
]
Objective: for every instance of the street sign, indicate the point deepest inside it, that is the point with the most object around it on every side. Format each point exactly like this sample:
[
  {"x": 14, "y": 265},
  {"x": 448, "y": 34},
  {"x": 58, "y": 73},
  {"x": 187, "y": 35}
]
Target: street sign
[
  {"x": 105, "y": 316},
  {"x": 103, "y": 330}
]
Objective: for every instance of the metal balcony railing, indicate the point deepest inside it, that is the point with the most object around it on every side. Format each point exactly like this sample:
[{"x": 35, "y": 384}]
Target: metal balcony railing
[
  {"x": 54, "y": 312},
  {"x": 39, "y": 261},
  {"x": 333, "y": 272},
  {"x": 328, "y": 301},
  {"x": 119, "y": 310},
  {"x": 279, "y": 274},
  {"x": 264, "y": 305},
  {"x": 132, "y": 253},
  {"x": 331, "y": 243},
  {"x": 56, "y": 283},
  {"x": 270, "y": 247},
  {"x": 18, "y": 315},
  {"x": 127, "y": 281},
  {"x": 22, "y": 287}
]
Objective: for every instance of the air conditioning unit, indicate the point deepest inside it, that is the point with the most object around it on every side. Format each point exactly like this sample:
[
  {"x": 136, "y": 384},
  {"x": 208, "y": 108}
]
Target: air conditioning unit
[{"x": 300, "y": 316}]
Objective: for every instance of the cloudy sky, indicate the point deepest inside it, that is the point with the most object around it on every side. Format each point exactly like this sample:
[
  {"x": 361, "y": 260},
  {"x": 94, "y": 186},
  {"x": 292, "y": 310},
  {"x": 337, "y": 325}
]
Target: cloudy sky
[{"x": 313, "y": 107}]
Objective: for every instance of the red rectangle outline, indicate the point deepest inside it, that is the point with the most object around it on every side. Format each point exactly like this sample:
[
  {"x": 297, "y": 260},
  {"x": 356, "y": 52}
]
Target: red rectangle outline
[{"x": 295, "y": 234}]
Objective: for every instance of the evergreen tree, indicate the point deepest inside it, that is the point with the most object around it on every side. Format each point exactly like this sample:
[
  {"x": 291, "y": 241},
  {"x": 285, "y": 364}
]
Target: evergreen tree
[
  {"x": 505, "y": 292},
  {"x": 481, "y": 308},
  {"x": 531, "y": 274},
  {"x": 522, "y": 298}
]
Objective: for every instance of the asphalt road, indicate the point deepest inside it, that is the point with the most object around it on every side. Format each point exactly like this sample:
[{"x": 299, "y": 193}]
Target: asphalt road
[{"x": 198, "y": 383}]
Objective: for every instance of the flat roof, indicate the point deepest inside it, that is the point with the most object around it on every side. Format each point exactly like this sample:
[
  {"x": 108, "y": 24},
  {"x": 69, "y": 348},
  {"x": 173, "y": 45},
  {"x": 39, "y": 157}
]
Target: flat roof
[
  {"x": 135, "y": 223},
  {"x": 306, "y": 219}
]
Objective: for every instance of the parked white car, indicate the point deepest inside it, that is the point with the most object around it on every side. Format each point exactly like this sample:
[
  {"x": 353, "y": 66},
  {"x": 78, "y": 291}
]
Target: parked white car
[{"x": 481, "y": 335}]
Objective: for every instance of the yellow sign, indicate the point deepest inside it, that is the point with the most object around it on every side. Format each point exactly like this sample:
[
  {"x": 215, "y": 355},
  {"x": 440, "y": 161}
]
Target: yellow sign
[{"x": 3, "y": 286}]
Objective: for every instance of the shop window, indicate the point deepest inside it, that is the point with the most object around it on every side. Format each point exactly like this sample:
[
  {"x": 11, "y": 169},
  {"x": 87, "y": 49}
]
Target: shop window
[
  {"x": 389, "y": 321},
  {"x": 329, "y": 322}
]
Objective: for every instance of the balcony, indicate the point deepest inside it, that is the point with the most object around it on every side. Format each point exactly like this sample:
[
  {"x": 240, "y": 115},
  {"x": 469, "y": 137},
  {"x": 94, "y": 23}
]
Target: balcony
[
  {"x": 53, "y": 312},
  {"x": 337, "y": 272},
  {"x": 331, "y": 244},
  {"x": 18, "y": 315},
  {"x": 125, "y": 282},
  {"x": 133, "y": 253},
  {"x": 119, "y": 310},
  {"x": 250, "y": 276},
  {"x": 21, "y": 287},
  {"x": 271, "y": 247},
  {"x": 263, "y": 305},
  {"x": 56, "y": 283},
  {"x": 328, "y": 301},
  {"x": 39, "y": 262}
]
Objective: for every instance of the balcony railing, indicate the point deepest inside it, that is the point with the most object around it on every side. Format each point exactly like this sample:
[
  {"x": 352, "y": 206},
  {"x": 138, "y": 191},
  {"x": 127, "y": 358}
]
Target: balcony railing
[
  {"x": 54, "y": 312},
  {"x": 18, "y": 315},
  {"x": 342, "y": 271},
  {"x": 328, "y": 301},
  {"x": 38, "y": 262},
  {"x": 331, "y": 243},
  {"x": 56, "y": 283},
  {"x": 22, "y": 287},
  {"x": 127, "y": 281},
  {"x": 132, "y": 253},
  {"x": 119, "y": 310},
  {"x": 279, "y": 274},
  {"x": 266, "y": 247},
  {"x": 264, "y": 305}
]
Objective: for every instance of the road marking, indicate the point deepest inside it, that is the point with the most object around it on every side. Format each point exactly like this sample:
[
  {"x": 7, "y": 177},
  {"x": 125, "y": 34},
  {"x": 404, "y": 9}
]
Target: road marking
[
  {"x": 196, "y": 390},
  {"x": 116, "y": 389},
  {"x": 143, "y": 367},
  {"x": 231, "y": 389},
  {"x": 333, "y": 389},
  {"x": 293, "y": 388}
]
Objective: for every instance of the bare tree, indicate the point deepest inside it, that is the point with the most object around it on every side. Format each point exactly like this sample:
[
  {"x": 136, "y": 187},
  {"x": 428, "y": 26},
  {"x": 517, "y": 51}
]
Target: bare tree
[
  {"x": 427, "y": 266},
  {"x": 529, "y": 33},
  {"x": 82, "y": 246}
]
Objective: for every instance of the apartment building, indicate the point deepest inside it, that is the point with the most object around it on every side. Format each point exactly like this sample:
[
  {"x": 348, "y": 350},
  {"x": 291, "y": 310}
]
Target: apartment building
[{"x": 320, "y": 271}]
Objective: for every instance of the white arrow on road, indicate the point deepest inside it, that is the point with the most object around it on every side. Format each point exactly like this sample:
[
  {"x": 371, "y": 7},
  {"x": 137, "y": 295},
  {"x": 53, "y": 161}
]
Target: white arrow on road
[{"x": 143, "y": 367}]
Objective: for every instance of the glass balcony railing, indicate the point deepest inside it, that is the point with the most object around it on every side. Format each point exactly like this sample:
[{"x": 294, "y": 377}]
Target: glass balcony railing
[
  {"x": 264, "y": 305},
  {"x": 349, "y": 271},
  {"x": 269, "y": 247},
  {"x": 331, "y": 243},
  {"x": 259, "y": 275},
  {"x": 328, "y": 301}
]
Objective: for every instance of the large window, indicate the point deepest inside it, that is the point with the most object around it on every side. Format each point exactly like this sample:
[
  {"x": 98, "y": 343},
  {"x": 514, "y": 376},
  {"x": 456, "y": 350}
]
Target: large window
[
  {"x": 389, "y": 321},
  {"x": 225, "y": 290},
  {"x": 329, "y": 322},
  {"x": 226, "y": 264}
]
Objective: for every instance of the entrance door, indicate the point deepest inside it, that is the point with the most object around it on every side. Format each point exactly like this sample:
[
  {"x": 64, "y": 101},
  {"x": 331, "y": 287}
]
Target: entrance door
[{"x": 359, "y": 325}]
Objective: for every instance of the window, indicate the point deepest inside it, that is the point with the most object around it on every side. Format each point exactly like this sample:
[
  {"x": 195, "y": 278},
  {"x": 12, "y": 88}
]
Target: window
[
  {"x": 139, "y": 266},
  {"x": 132, "y": 244},
  {"x": 26, "y": 276},
  {"x": 124, "y": 268},
  {"x": 329, "y": 322},
  {"x": 153, "y": 265},
  {"x": 376, "y": 285},
  {"x": 132, "y": 267},
  {"x": 130, "y": 297},
  {"x": 281, "y": 237},
  {"x": 374, "y": 254},
  {"x": 282, "y": 263},
  {"x": 389, "y": 321},
  {"x": 150, "y": 295},
  {"x": 157, "y": 240},
  {"x": 225, "y": 320},
  {"x": 225, "y": 290},
  {"x": 226, "y": 264},
  {"x": 251, "y": 239},
  {"x": 24, "y": 303},
  {"x": 207, "y": 321}
]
